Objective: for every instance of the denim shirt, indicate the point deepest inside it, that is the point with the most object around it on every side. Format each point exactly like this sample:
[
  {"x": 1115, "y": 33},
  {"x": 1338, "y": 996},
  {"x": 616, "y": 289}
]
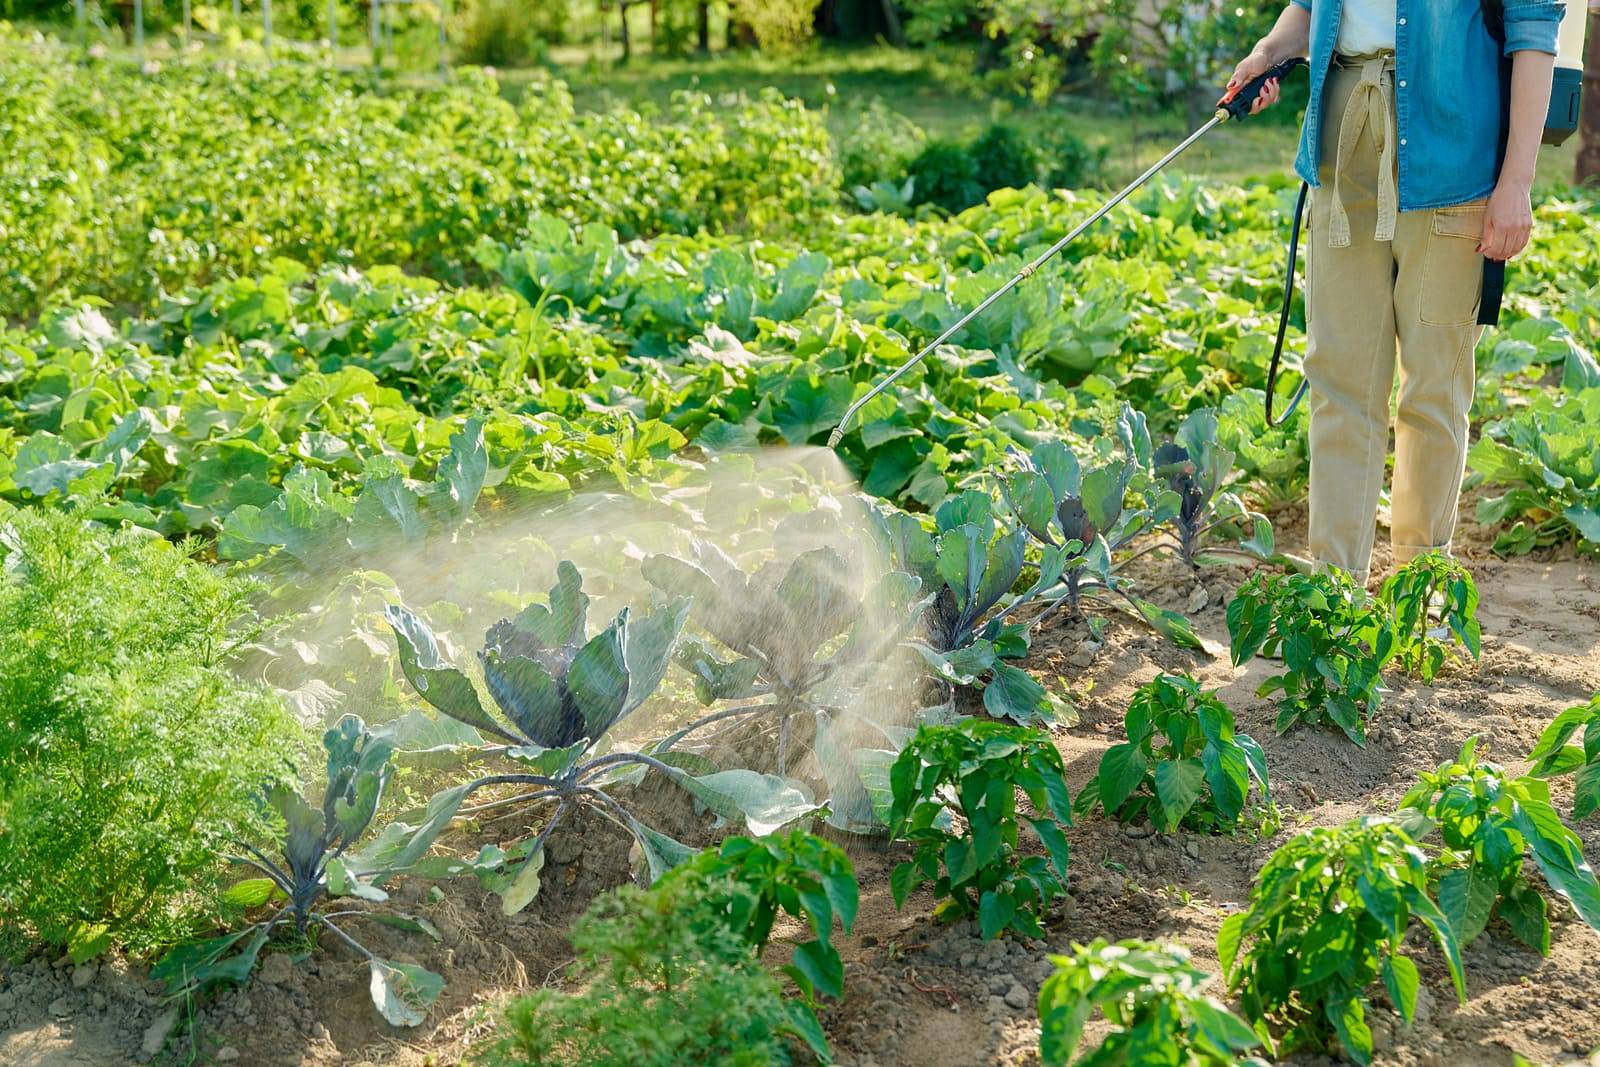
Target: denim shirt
[{"x": 1446, "y": 91}]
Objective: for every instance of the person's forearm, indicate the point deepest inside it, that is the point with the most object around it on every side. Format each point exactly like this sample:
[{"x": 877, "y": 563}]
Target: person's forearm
[
  {"x": 1530, "y": 100},
  {"x": 1290, "y": 36}
]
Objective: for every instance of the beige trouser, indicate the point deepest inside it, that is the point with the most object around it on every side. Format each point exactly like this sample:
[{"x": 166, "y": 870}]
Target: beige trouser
[{"x": 1375, "y": 277}]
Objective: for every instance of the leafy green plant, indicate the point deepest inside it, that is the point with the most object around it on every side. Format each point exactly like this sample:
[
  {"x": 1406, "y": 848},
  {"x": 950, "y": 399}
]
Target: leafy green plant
[
  {"x": 1334, "y": 641},
  {"x": 1409, "y": 594},
  {"x": 316, "y": 838},
  {"x": 560, "y": 692},
  {"x": 1155, "y": 1001},
  {"x": 664, "y": 979},
  {"x": 801, "y": 875},
  {"x": 130, "y": 754},
  {"x": 1544, "y": 455},
  {"x": 1080, "y": 520},
  {"x": 1327, "y": 918},
  {"x": 975, "y": 769},
  {"x": 1182, "y": 765},
  {"x": 1489, "y": 822},
  {"x": 1553, "y": 756},
  {"x": 969, "y": 563}
]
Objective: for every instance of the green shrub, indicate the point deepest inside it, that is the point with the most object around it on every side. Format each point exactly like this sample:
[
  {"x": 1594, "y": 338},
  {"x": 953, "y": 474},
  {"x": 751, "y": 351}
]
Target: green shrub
[
  {"x": 505, "y": 33},
  {"x": 945, "y": 175},
  {"x": 1004, "y": 157},
  {"x": 129, "y": 755},
  {"x": 1334, "y": 640},
  {"x": 667, "y": 980},
  {"x": 1153, "y": 999},
  {"x": 1327, "y": 917},
  {"x": 879, "y": 146},
  {"x": 977, "y": 767},
  {"x": 1182, "y": 765}
]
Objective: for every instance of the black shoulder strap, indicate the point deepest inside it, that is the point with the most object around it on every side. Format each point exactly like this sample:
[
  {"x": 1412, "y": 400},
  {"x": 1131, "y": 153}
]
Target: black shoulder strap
[
  {"x": 1494, "y": 19},
  {"x": 1494, "y": 272}
]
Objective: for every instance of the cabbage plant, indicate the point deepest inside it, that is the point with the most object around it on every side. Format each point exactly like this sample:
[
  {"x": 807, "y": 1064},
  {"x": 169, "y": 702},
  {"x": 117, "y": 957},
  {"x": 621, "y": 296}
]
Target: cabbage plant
[
  {"x": 559, "y": 693},
  {"x": 312, "y": 869},
  {"x": 968, "y": 563},
  {"x": 1079, "y": 518},
  {"x": 803, "y": 637},
  {"x": 1192, "y": 469}
]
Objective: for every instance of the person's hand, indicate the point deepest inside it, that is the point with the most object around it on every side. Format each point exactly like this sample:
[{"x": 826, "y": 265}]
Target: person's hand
[
  {"x": 1251, "y": 67},
  {"x": 1507, "y": 220}
]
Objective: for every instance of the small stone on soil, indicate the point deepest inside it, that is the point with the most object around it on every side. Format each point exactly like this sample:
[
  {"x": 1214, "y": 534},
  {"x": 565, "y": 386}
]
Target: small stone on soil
[
  {"x": 1017, "y": 997},
  {"x": 155, "y": 1035}
]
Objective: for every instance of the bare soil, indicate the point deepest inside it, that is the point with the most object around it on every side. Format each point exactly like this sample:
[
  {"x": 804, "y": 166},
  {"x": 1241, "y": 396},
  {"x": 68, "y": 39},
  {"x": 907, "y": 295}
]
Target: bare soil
[{"x": 918, "y": 992}]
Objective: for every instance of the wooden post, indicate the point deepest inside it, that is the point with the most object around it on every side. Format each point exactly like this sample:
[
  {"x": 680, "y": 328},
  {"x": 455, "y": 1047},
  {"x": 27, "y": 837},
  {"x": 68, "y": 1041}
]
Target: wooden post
[
  {"x": 236, "y": 12},
  {"x": 372, "y": 32},
  {"x": 333, "y": 30},
  {"x": 186, "y": 18},
  {"x": 138, "y": 29},
  {"x": 1588, "y": 169},
  {"x": 81, "y": 20},
  {"x": 266, "y": 27}
]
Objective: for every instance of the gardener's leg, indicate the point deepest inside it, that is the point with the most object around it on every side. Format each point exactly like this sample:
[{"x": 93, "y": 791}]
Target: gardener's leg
[
  {"x": 1436, "y": 308},
  {"x": 1350, "y": 343}
]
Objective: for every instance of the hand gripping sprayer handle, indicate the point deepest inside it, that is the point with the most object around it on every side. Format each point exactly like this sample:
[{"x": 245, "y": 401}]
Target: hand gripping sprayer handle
[{"x": 1235, "y": 105}]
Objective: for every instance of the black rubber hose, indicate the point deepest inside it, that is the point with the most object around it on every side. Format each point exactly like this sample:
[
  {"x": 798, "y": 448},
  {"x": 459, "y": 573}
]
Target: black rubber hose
[{"x": 1283, "y": 316}]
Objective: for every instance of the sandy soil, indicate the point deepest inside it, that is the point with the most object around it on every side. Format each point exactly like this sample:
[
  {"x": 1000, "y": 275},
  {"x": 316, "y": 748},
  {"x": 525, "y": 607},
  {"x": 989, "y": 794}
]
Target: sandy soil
[{"x": 920, "y": 993}]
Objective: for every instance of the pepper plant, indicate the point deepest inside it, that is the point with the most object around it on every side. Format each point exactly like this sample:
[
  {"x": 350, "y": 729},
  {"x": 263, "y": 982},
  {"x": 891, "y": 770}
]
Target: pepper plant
[
  {"x": 560, "y": 692},
  {"x": 1183, "y": 763},
  {"x": 313, "y": 869},
  {"x": 1327, "y": 918},
  {"x": 1155, "y": 1001},
  {"x": 799, "y": 874},
  {"x": 1553, "y": 756},
  {"x": 976, "y": 768},
  {"x": 1489, "y": 823},
  {"x": 1409, "y": 593},
  {"x": 1334, "y": 641}
]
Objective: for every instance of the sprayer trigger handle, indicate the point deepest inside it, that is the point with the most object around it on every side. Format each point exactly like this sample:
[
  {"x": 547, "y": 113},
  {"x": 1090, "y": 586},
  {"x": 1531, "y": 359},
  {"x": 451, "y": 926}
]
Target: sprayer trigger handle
[{"x": 1236, "y": 103}]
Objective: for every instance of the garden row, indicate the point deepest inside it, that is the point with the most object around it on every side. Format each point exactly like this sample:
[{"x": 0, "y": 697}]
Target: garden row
[
  {"x": 120, "y": 185},
  {"x": 379, "y": 404},
  {"x": 175, "y": 767}
]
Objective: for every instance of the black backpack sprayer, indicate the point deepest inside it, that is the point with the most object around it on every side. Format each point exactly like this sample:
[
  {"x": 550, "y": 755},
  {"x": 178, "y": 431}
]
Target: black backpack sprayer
[{"x": 1235, "y": 105}]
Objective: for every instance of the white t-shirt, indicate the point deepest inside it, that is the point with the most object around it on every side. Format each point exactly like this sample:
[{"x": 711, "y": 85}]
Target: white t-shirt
[{"x": 1366, "y": 26}]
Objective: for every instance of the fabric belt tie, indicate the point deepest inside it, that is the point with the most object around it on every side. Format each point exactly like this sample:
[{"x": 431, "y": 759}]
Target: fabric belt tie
[{"x": 1371, "y": 103}]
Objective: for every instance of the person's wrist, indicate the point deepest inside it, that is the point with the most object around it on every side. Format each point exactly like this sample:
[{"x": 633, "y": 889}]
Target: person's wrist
[{"x": 1515, "y": 181}]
